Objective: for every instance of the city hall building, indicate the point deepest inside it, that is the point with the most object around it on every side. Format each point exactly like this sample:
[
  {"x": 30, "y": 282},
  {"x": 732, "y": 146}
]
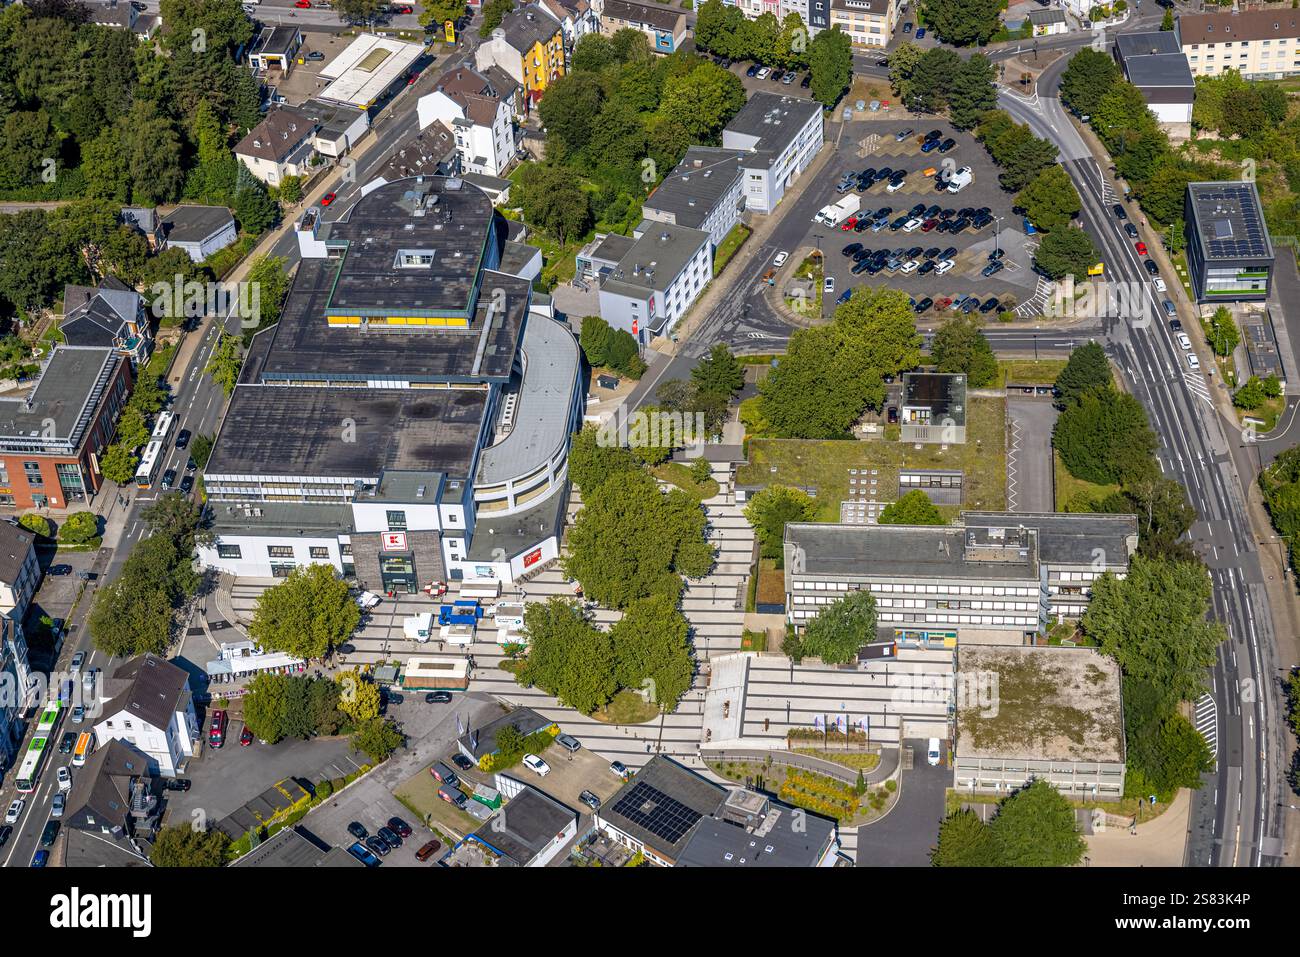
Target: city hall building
[{"x": 408, "y": 418}]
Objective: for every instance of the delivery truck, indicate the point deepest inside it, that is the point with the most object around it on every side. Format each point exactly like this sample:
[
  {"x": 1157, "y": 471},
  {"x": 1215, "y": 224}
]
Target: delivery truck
[{"x": 836, "y": 213}]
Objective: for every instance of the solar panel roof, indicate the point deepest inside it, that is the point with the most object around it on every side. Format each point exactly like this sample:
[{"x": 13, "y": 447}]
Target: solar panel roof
[
  {"x": 1229, "y": 221},
  {"x": 656, "y": 812}
]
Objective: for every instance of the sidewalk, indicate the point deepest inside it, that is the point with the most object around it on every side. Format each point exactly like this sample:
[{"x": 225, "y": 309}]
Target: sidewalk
[{"x": 1158, "y": 843}]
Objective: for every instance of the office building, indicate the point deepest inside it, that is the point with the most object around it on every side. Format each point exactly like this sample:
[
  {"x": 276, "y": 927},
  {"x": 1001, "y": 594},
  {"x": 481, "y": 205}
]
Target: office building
[
  {"x": 780, "y": 135},
  {"x": 1155, "y": 64},
  {"x": 1229, "y": 253}
]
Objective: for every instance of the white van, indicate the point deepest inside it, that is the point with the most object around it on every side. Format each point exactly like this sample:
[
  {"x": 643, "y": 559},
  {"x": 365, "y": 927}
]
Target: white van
[{"x": 932, "y": 753}]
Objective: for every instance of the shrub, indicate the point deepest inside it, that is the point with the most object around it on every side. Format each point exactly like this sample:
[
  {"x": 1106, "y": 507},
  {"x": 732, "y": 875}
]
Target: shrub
[{"x": 38, "y": 524}]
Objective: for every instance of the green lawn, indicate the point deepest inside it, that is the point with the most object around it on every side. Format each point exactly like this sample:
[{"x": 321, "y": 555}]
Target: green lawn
[
  {"x": 1267, "y": 413},
  {"x": 771, "y": 583},
  {"x": 627, "y": 707},
  {"x": 678, "y": 474},
  {"x": 1029, "y": 371},
  {"x": 824, "y": 465},
  {"x": 729, "y": 246},
  {"x": 1067, "y": 486}
]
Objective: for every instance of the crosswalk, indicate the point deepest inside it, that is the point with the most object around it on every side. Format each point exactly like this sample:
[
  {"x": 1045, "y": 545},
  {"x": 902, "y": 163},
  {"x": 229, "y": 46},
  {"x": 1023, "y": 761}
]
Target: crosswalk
[
  {"x": 1196, "y": 384},
  {"x": 1206, "y": 719},
  {"x": 1035, "y": 304}
]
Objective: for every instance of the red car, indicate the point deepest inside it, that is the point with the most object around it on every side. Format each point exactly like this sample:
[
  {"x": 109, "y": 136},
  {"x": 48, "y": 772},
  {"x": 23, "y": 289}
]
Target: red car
[
  {"x": 1141, "y": 248},
  {"x": 403, "y": 11},
  {"x": 302, "y": 4},
  {"x": 217, "y": 734},
  {"x": 327, "y": 199},
  {"x": 410, "y": 80},
  {"x": 943, "y": 303},
  {"x": 849, "y": 223},
  {"x": 245, "y": 738}
]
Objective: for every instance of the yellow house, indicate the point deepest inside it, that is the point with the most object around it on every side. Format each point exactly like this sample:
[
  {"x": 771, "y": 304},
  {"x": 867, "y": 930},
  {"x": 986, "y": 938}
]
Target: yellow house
[{"x": 529, "y": 45}]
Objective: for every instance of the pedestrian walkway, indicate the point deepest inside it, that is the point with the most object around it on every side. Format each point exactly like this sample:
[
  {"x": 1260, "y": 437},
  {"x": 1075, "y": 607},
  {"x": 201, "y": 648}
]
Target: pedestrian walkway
[{"x": 1161, "y": 842}]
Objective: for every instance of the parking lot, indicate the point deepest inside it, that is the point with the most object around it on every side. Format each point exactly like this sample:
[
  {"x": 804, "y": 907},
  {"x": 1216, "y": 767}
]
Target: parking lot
[{"x": 874, "y": 144}]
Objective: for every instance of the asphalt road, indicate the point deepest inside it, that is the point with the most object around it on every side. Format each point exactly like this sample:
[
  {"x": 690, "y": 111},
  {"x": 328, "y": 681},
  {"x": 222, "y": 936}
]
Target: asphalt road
[{"x": 1234, "y": 820}]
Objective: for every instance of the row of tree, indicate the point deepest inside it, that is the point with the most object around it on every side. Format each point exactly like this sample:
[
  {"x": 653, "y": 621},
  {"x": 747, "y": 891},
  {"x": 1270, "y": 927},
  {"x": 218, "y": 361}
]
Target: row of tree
[
  {"x": 1034, "y": 827},
  {"x": 299, "y": 706},
  {"x": 648, "y": 651},
  {"x": 962, "y": 22},
  {"x": 607, "y": 347},
  {"x": 784, "y": 44},
  {"x": 939, "y": 79}
]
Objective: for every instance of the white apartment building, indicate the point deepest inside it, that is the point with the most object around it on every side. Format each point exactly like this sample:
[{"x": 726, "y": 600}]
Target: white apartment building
[
  {"x": 705, "y": 192},
  {"x": 781, "y": 135},
  {"x": 869, "y": 23},
  {"x": 1258, "y": 44},
  {"x": 658, "y": 279},
  {"x": 815, "y": 13},
  {"x": 147, "y": 704},
  {"x": 479, "y": 115}
]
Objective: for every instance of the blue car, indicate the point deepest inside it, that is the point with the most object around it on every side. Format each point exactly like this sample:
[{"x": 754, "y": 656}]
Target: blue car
[
  {"x": 844, "y": 297},
  {"x": 929, "y": 145},
  {"x": 920, "y": 33},
  {"x": 41, "y": 858},
  {"x": 362, "y": 853},
  {"x": 1029, "y": 227}
]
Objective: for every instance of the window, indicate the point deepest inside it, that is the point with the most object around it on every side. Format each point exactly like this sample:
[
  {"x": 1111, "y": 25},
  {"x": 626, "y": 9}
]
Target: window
[
  {"x": 318, "y": 551},
  {"x": 32, "y": 472},
  {"x": 279, "y": 551},
  {"x": 229, "y": 551},
  {"x": 396, "y": 521},
  {"x": 414, "y": 258}
]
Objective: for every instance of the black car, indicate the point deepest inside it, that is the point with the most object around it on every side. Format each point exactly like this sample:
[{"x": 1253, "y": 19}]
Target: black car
[
  {"x": 183, "y": 438},
  {"x": 926, "y": 267},
  {"x": 191, "y": 465},
  {"x": 67, "y": 743},
  {"x": 948, "y": 253},
  {"x": 947, "y": 213},
  {"x": 176, "y": 784},
  {"x": 378, "y": 845},
  {"x": 947, "y": 145},
  {"x": 169, "y": 478},
  {"x": 960, "y": 225},
  {"x": 932, "y": 252},
  {"x": 990, "y": 304},
  {"x": 868, "y": 174},
  {"x": 933, "y": 135},
  {"x": 461, "y": 761},
  {"x": 187, "y": 483},
  {"x": 883, "y": 174},
  {"x": 390, "y": 837},
  {"x": 1131, "y": 230},
  {"x": 913, "y": 253},
  {"x": 752, "y": 71},
  {"x": 59, "y": 570},
  {"x": 400, "y": 826},
  {"x": 1176, "y": 325},
  {"x": 898, "y": 224},
  {"x": 358, "y": 830},
  {"x": 1152, "y": 268},
  {"x": 862, "y": 266},
  {"x": 996, "y": 255},
  {"x": 965, "y": 212},
  {"x": 924, "y": 304},
  {"x": 438, "y": 697},
  {"x": 1119, "y": 211},
  {"x": 850, "y": 249},
  {"x": 589, "y": 799},
  {"x": 806, "y": 81},
  {"x": 933, "y": 212},
  {"x": 917, "y": 210},
  {"x": 884, "y": 212},
  {"x": 862, "y": 225},
  {"x": 991, "y": 268},
  {"x": 50, "y": 833},
  {"x": 4, "y": 834}
]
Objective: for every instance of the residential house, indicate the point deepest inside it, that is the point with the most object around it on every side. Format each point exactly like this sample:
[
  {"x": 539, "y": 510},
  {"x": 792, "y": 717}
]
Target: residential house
[
  {"x": 1048, "y": 23},
  {"x": 479, "y": 115},
  {"x": 111, "y": 315},
  {"x": 664, "y": 26},
  {"x": 274, "y": 51},
  {"x": 20, "y": 570},
  {"x": 124, "y": 15},
  {"x": 145, "y": 220},
  {"x": 200, "y": 230},
  {"x": 52, "y": 439},
  {"x": 781, "y": 135},
  {"x": 529, "y": 46},
  {"x": 1258, "y": 44},
  {"x": 577, "y": 19},
  {"x": 868, "y": 23},
  {"x": 281, "y": 145},
  {"x": 814, "y": 13},
  {"x": 1155, "y": 64},
  {"x": 117, "y": 797},
  {"x": 147, "y": 704},
  {"x": 338, "y": 126}
]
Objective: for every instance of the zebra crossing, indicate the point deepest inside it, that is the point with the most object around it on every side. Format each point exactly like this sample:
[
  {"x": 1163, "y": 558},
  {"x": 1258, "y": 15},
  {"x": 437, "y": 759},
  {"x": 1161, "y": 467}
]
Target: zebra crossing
[
  {"x": 1206, "y": 719},
  {"x": 1198, "y": 387},
  {"x": 1035, "y": 304}
]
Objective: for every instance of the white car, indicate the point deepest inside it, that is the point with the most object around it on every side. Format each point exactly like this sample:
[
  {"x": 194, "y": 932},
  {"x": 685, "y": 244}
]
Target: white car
[
  {"x": 65, "y": 779},
  {"x": 533, "y": 763},
  {"x": 15, "y": 811},
  {"x": 1192, "y": 361},
  {"x": 780, "y": 259},
  {"x": 933, "y": 754},
  {"x": 912, "y": 225},
  {"x": 942, "y": 267},
  {"x": 764, "y": 73},
  {"x": 58, "y": 804},
  {"x": 78, "y": 660},
  {"x": 1184, "y": 343},
  {"x": 895, "y": 185},
  {"x": 829, "y": 284},
  {"x": 367, "y": 600},
  {"x": 1160, "y": 284},
  {"x": 910, "y": 267}
]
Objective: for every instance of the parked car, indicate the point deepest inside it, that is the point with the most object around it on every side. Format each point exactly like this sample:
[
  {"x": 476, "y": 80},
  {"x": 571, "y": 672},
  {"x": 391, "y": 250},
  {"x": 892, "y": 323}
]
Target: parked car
[
  {"x": 217, "y": 733},
  {"x": 947, "y": 145},
  {"x": 904, "y": 134},
  {"x": 990, "y": 304},
  {"x": 789, "y": 78},
  {"x": 850, "y": 249},
  {"x": 461, "y": 761},
  {"x": 589, "y": 799},
  {"x": 1192, "y": 361},
  {"x": 1169, "y": 308},
  {"x": 923, "y": 305},
  {"x": 428, "y": 850},
  {"x": 991, "y": 269},
  {"x": 78, "y": 660},
  {"x": 920, "y": 33},
  {"x": 569, "y": 743},
  {"x": 302, "y": 4},
  {"x": 359, "y": 851},
  {"x": 67, "y": 742},
  {"x": 444, "y": 774},
  {"x": 389, "y": 837},
  {"x": 5, "y": 832},
  {"x": 535, "y": 764},
  {"x": 58, "y": 570},
  {"x": 183, "y": 439},
  {"x": 315, "y": 56},
  {"x": 1141, "y": 247},
  {"x": 169, "y": 478},
  {"x": 1151, "y": 267},
  {"x": 452, "y": 796},
  {"x": 176, "y": 784},
  {"x": 378, "y": 845},
  {"x": 79, "y": 714},
  {"x": 907, "y": 27},
  {"x": 15, "y": 811},
  {"x": 780, "y": 258},
  {"x": 764, "y": 73},
  {"x": 1131, "y": 230},
  {"x": 1184, "y": 343},
  {"x": 438, "y": 697},
  {"x": 58, "y": 804},
  {"x": 806, "y": 82},
  {"x": 618, "y": 768},
  {"x": 245, "y": 737},
  {"x": 358, "y": 830},
  {"x": 49, "y": 833},
  {"x": 399, "y": 826},
  {"x": 64, "y": 777},
  {"x": 187, "y": 484},
  {"x": 1119, "y": 211},
  {"x": 40, "y": 858}
]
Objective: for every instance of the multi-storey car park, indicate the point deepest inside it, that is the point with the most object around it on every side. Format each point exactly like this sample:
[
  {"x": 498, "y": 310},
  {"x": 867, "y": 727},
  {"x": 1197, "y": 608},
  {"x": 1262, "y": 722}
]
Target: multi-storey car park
[{"x": 408, "y": 418}]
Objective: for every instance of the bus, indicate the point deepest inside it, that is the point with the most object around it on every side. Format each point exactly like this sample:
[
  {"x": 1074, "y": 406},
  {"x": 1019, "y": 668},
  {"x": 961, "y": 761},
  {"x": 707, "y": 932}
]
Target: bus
[
  {"x": 150, "y": 462},
  {"x": 29, "y": 771},
  {"x": 85, "y": 747},
  {"x": 162, "y": 429}
]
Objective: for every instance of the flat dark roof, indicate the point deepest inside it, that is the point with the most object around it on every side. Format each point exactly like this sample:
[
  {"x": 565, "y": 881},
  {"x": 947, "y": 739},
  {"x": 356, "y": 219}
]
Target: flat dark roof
[
  {"x": 301, "y": 346},
  {"x": 1160, "y": 70},
  {"x": 662, "y": 803},
  {"x": 1069, "y": 538},
  {"x": 1229, "y": 223},
  {"x": 194, "y": 224},
  {"x": 528, "y": 824},
  {"x": 910, "y": 551},
  {"x": 773, "y": 118},
  {"x": 286, "y": 430},
  {"x": 692, "y": 190},
  {"x": 61, "y": 394},
  {"x": 1145, "y": 44},
  {"x": 944, "y": 394},
  {"x": 719, "y": 843}
]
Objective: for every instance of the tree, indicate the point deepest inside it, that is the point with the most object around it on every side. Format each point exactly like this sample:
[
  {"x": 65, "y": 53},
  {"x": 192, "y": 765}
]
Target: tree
[
  {"x": 1272, "y": 386},
  {"x": 1065, "y": 252},
  {"x": 1104, "y": 437},
  {"x": 973, "y": 92},
  {"x": 151, "y": 153},
  {"x": 254, "y": 208},
  {"x": 267, "y": 707},
  {"x": 703, "y": 101},
  {"x": 1223, "y": 334},
  {"x": 913, "y": 508},
  {"x": 130, "y": 617},
  {"x": 567, "y": 656},
  {"x": 1087, "y": 368},
  {"x": 1050, "y": 199},
  {"x": 359, "y": 696},
  {"x": 1167, "y": 22},
  {"x": 79, "y": 528},
  {"x": 268, "y": 277},
  {"x": 965, "y": 841},
  {"x": 652, "y": 651},
  {"x": 1250, "y": 395},
  {"x": 37, "y": 524},
  {"x": 307, "y": 614},
  {"x": 554, "y": 202},
  {"x": 1089, "y": 77},
  {"x": 119, "y": 464},
  {"x": 434, "y": 13},
  {"x": 183, "y": 845},
  {"x": 200, "y": 449},
  {"x": 963, "y": 22},
  {"x": 719, "y": 372},
  {"x": 932, "y": 79},
  {"x": 1035, "y": 827},
  {"x": 841, "y": 628},
  {"x": 173, "y": 516},
  {"x": 225, "y": 362},
  {"x": 630, "y": 540},
  {"x": 290, "y": 191},
  {"x": 770, "y": 510},
  {"x": 1153, "y": 623},
  {"x": 593, "y": 459},
  {"x": 494, "y": 11},
  {"x": 710, "y": 22},
  {"x": 960, "y": 346},
  {"x": 830, "y": 63},
  {"x": 377, "y": 739},
  {"x": 902, "y": 65},
  {"x": 569, "y": 110},
  {"x": 1163, "y": 751}
]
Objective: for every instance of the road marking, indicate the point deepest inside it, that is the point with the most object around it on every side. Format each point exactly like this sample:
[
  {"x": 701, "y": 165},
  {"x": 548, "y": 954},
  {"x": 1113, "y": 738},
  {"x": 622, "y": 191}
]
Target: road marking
[{"x": 1207, "y": 722}]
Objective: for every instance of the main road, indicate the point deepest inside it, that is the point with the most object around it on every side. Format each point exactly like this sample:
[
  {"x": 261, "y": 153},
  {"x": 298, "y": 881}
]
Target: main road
[{"x": 1234, "y": 819}]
